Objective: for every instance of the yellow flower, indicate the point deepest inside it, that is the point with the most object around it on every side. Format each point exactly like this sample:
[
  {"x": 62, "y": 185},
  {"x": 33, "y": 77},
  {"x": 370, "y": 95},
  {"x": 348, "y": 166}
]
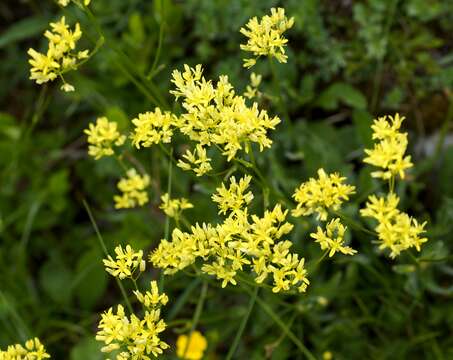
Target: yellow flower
[
  {"x": 126, "y": 262},
  {"x": 151, "y": 298},
  {"x": 252, "y": 89},
  {"x": 216, "y": 115},
  {"x": 333, "y": 238},
  {"x": 135, "y": 337},
  {"x": 388, "y": 153},
  {"x": 65, "y": 3},
  {"x": 174, "y": 207},
  {"x": 133, "y": 190},
  {"x": 191, "y": 347},
  {"x": 235, "y": 197},
  {"x": 196, "y": 161},
  {"x": 153, "y": 128},
  {"x": 102, "y": 136},
  {"x": 60, "y": 56},
  {"x": 319, "y": 195},
  {"x": 396, "y": 230},
  {"x": 265, "y": 36},
  {"x": 33, "y": 350}
]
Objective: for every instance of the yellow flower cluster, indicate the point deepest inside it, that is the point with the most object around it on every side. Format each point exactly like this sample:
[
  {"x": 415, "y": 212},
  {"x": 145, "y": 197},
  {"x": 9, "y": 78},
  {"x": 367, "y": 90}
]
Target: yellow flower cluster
[
  {"x": 265, "y": 36},
  {"x": 134, "y": 337},
  {"x": 197, "y": 161},
  {"x": 240, "y": 242},
  {"x": 133, "y": 190},
  {"x": 60, "y": 56},
  {"x": 102, "y": 136},
  {"x": 388, "y": 153},
  {"x": 174, "y": 207},
  {"x": 319, "y": 195},
  {"x": 397, "y": 231},
  {"x": 251, "y": 90},
  {"x": 191, "y": 347},
  {"x": 33, "y": 350},
  {"x": 126, "y": 263},
  {"x": 153, "y": 128},
  {"x": 332, "y": 238}
]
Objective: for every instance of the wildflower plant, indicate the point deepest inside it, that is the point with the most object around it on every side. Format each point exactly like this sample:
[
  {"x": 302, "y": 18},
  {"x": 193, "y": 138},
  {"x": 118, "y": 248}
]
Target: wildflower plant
[{"x": 32, "y": 350}]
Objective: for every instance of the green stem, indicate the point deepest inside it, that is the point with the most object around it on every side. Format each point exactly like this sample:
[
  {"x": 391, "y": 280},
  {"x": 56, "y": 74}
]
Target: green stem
[
  {"x": 243, "y": 324},
  {"x": 160, "y": 41},
  {"x": 104, "y": 249},
  {"x": 267, "y": 309}
]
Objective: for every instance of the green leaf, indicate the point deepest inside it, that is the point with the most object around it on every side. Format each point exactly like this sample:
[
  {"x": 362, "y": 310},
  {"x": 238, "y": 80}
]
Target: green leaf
[
  {"x": 23, "y": 29},
  {"x": 87, "y": 349},
  {"x": 55, "y": 278},
  {"x": 341, "y": 92}
]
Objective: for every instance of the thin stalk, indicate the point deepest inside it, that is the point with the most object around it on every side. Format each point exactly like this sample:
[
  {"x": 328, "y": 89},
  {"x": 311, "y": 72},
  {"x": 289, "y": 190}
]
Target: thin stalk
[
  {"x": 104, "y": 249},
  {"x": 160, "y": 41},
  {"x": 243, "y": 324}
]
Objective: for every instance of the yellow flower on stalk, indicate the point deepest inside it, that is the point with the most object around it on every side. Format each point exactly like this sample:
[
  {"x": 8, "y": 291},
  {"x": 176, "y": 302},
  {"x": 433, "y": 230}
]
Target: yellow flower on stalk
[
  {"x": 332, "y": 239},
  {"x": 60, "y": 56},
  {"x": 215, "y": 115},
  {"x": 153, "y": 128},
  {"x": 133, "y": 190},
  {"x": 33, "y": 350},
  {"x": 191, "y": 347},
  {"x": 235, "y": 198},
  {"x": 197, "y": 161},
  {"x": 321, "y": 194},
  {"x": 388, "y": 152},
  {"x": 174, "y": 207},
  {"x": 265, "y": 36},
  {"x": 151, "y": 298},
  {"x": 102, "y": 137},
  {"x": 397, "y": 231},
  {"x": 251, "y": 90},
  {"x": 132, "y": 336},
  {"x": 126, "y": 263}
]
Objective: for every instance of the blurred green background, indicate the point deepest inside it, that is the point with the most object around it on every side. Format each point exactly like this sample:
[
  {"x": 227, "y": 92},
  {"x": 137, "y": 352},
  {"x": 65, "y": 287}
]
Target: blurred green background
[{"x": 349, "y": 61}]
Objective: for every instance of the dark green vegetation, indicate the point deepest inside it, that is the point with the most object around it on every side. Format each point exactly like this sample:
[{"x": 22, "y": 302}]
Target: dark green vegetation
[{"x": 349, "y": 61}]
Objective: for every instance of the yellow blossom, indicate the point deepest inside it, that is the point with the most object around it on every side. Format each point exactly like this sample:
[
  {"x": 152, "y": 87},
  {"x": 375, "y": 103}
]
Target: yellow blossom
[
  {"x": 265, "y": 36},
  {"x": 33, "y": 350},
  {"x": 397, "y": 231},
  {"x": 153, "y": 128},
  {"x": 214, "y": 114},
  {"x": 65, "y": 3},
  {"x": 174, "y": 207},
  {"x": 252, "y": 89},
  {"x": 191, "y": 347},
  {"x": 388, "y": 152},
  {"x": 126, "y": 263},
  {"x": 332, "y": 239},
  {"x": 102, "y": 136},
  {"x": 319, "y": 195},
  {"x": 133, "y": 190},
  {"x": 151, "y": 298},
  {"x": 196, "y": 161},
  {"x": 235, "y": 197},
  {"x": 60, "y": 56}
]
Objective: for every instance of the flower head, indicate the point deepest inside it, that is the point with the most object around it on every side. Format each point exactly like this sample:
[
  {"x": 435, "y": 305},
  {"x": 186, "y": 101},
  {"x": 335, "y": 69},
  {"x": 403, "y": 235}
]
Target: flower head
[
  {"x": 265, "y": 36},
  {"x": 332, "y": 239},
  {"x": 102, "y": 137},
  {"x": 133, "y": 190},
  {"x": 33, "y": 350},
  {"x": 197, "y": 161},
  {"x": 191, "y": 347},
  {"x": 319, "y": 195},
  {"x": 126, "y": 262},
  {"x": 388, "y": 152},
  {"x": 236, "y": 197},
  {"x": 174, "y": 207}
]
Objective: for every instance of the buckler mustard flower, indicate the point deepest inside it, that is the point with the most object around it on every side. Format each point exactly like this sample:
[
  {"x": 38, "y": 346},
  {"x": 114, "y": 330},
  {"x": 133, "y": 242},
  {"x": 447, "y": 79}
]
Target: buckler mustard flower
[
  {"x": 65, "y": 3},
  {"x": 191, "y": 347},
  {"x": 388, "y": 152},
  {"x": 197, "y": 161},
  {"x": 174, "y": 207},
  {"x": 33, "y": 350},
  {"x": 153, "y": 128},
  {"x": 396, "y": 230},
  {"x": 60, "y": 57},
  {"x": 265, "y": 36},
  {"x": 321, "y": 194},
  {"x": 241, "y": 243},
  {"x": 102, "y": 137},
  {"x": 214, "y": 114},
  {"x": 133, "y": 189},
  {"x": 127, "y": 261},
  {"x": 251, "y": 91},
  {"x": 332, "y": 239},
  {"x": 134, "y": 337}
]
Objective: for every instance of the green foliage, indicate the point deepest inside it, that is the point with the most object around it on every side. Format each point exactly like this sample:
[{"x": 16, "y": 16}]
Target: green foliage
[{"x": 349, "y": 61}]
